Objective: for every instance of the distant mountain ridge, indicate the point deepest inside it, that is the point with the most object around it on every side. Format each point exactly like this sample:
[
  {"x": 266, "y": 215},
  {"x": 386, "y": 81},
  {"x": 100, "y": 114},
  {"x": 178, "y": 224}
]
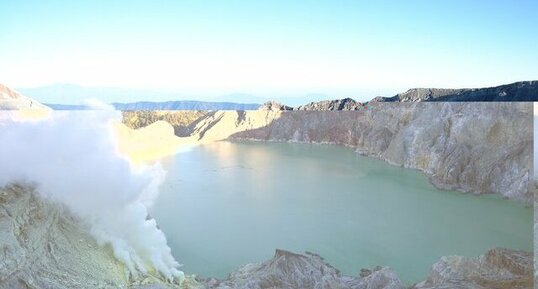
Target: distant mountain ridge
[
  {"x": 337, "y": 104},
  {"x": 518, "y": 91},
  {"x": 168, "y": 105}
]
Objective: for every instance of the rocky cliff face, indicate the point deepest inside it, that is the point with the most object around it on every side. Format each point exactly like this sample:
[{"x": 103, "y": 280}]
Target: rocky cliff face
[
  {"x": 518, "y": 91},
  {"x": 470, "y": 147}
]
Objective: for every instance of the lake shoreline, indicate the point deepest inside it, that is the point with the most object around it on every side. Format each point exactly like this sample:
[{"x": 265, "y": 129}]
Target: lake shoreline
[{"x": 249, "y": 149}]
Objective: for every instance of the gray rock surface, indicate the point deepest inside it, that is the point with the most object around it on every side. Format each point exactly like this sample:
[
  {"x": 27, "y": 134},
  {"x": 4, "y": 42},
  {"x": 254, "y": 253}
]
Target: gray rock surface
[
  {"x": 518, "y": 91},
  {"x": 338, "y": 104},
  {"x": 290, "y": 270},
  {"x": 470, "y": 147},
  {"x": 496, "y": 269},
  {"x": 43, "y": 246}
]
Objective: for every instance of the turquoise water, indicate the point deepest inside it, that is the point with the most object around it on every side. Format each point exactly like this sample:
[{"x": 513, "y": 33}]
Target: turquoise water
[{"x": 227, "y": 204}]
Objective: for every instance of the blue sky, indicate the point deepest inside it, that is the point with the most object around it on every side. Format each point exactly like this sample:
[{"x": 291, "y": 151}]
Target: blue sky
[{"x": 204, "y": 49}]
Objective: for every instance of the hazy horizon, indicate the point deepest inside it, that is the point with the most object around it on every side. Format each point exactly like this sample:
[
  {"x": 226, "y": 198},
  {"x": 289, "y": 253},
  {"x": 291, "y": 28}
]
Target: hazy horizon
[{"x": 73, "y": 94}]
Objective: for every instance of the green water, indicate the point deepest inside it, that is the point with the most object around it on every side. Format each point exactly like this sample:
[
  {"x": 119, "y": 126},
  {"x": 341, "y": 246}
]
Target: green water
[{"x": 227, "y": 204}]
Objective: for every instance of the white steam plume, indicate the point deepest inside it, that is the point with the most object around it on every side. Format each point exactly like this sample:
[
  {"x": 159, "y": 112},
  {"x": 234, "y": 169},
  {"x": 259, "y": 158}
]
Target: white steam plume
[{"x": 72, "y": 158}]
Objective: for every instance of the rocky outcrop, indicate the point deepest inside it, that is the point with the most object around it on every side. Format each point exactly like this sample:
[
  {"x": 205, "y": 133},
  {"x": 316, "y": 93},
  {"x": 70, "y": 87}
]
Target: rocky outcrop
[
  {"x": 43, "y": 246},
  {"x": 518, "y": 91},
  {"x": 338, "y": 104},
  {"x": 273, "y": 105},
  {"x": 496, "y": 269},
  {"x": 290, "y": 270},
  {"x": 478, "y": 147}
]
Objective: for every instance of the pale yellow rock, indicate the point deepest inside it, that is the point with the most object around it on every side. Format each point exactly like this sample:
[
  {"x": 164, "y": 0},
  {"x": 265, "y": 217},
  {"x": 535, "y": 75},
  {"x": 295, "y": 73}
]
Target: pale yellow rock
[
  {"x": 150, "y": 143},
  {"x": 157, "y": 140}
]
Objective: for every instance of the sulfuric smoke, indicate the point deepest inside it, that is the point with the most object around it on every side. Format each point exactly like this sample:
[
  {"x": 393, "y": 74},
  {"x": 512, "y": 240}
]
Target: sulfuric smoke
[{"x": 72, "y": 158}]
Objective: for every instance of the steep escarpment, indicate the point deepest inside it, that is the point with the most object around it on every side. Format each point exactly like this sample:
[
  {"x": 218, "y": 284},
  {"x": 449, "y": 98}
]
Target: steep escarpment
[{"x": 478, "y": 147}]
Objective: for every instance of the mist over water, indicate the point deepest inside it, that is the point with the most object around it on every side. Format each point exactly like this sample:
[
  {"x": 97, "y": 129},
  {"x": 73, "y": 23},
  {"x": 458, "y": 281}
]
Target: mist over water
[{"x": 226, "y": 204}]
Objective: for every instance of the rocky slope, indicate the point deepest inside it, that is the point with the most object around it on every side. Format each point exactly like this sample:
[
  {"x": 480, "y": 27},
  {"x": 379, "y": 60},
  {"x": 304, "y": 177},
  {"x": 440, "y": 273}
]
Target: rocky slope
[
  {"x": 180, "y": 120},
  {"x": 496, "y": 269},
  {"x": 518, "y": 91},
  {"x": 12, "y": 100},
  {"x": 43, "y": 246}
]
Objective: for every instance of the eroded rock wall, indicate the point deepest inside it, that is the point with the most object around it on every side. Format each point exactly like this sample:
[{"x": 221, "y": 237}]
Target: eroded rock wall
[{"x": 470, "y": 147}]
